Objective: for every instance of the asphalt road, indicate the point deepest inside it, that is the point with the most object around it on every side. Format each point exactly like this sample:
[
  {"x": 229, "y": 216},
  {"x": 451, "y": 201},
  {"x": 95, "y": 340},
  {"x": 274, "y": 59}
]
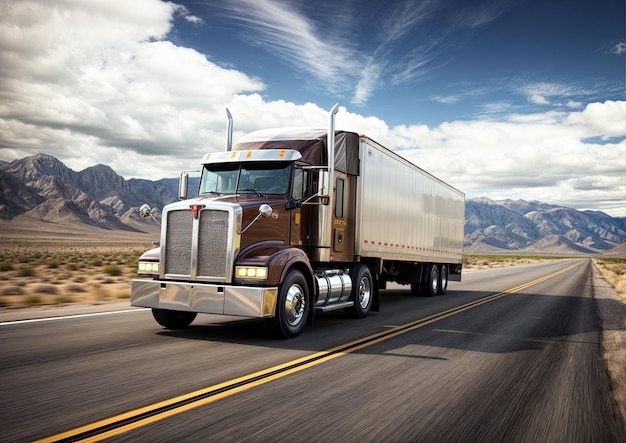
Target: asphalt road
[{"x": 506, "y": 355}]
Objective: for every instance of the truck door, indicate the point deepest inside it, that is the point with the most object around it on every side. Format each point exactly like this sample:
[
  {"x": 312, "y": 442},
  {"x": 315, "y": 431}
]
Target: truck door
[
  {"x": 343, "y": 218},
  {"x": 303, "y": 185}
]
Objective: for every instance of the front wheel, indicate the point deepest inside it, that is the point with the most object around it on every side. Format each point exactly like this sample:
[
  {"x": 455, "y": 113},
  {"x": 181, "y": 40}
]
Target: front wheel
[
  {"x": 362, "y": 292},
  {"x": 292, "y": 306},
  {"x": 173, "y": 319}
]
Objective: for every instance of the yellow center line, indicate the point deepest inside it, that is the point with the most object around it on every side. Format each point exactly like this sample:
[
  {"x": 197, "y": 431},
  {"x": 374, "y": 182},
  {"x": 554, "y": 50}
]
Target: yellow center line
[{"x": 137, "y": 418}]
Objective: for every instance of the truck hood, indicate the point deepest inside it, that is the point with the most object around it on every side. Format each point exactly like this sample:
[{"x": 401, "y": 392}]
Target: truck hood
[{"x": 246, "y": 201}]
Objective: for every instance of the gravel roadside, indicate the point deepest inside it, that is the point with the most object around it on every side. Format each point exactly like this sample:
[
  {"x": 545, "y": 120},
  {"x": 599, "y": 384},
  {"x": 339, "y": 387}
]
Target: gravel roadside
[
  {"x": 612, "y": 314},
  {"x": 63, "y": 310}
]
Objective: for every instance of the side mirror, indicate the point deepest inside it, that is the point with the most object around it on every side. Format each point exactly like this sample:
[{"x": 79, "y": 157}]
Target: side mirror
[
  {"x": 183, "y": 185},
  {"x": 265, "y": 210},
  {"x": 145, "y": 211}
]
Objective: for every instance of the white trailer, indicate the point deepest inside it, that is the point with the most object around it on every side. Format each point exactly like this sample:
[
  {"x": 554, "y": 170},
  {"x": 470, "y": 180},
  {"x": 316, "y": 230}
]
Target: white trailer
[{"x": 406, "y": 214}]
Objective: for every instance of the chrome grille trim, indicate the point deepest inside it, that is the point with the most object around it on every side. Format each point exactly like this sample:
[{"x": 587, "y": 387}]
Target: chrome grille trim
[{"x": 200, "y": 249}]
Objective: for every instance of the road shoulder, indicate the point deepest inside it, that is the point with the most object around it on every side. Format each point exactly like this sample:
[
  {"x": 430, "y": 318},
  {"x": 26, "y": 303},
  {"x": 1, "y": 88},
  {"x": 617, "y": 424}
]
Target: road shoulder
[
  {"x": 612, "y": 314},
  {"x": 62, "y": 310}
]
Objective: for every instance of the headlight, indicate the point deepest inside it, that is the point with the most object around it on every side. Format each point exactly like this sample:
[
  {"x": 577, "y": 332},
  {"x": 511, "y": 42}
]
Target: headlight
[
  {"x": 148, "y": 267},
  {"x": 250, "y": 272}
]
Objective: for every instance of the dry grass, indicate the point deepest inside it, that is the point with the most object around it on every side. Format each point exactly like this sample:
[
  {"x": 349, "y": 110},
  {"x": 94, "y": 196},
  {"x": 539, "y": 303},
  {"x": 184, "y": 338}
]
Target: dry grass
[
  {"x": 485, "y": 261},
  {"x": 36, "y": 273},
  {"x": 614, "y": 271}
]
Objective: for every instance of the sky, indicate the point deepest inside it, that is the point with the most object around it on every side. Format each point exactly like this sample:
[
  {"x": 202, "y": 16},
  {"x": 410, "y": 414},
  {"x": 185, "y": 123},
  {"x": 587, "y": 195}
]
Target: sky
[{"x": 518, "y": 99}]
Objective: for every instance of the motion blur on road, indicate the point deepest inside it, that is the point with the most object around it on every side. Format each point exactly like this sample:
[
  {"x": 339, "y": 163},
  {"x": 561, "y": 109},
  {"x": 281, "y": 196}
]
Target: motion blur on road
[{"x": 523, "y": 364}]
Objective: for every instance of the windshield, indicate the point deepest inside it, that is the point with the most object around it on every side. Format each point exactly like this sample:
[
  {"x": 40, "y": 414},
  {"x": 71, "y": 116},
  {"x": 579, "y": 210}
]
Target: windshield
[{"x": 245, "y": 178}]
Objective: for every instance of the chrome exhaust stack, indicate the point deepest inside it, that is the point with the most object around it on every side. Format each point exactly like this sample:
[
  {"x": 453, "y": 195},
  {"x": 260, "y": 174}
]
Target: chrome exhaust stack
[
  {"x": 327, "y": 194},
  {"x": 229, "y": 131},
  {"x": 330, "y": 143}
]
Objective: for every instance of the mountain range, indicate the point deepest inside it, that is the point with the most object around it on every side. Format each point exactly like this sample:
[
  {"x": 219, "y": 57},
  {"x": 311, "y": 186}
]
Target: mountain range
[{"x": 41, "y": 189}]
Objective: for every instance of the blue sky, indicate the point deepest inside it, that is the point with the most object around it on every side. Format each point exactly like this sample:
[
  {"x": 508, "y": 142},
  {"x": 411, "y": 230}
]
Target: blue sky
[
  {"x": 420, "y": 61},
  {"x": 505, "y": 99}
]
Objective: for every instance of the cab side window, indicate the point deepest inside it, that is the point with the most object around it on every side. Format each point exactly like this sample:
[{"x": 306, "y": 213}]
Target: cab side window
[
  {"x": 339, "y": 212},
  {"x": 300, "y": 184}
]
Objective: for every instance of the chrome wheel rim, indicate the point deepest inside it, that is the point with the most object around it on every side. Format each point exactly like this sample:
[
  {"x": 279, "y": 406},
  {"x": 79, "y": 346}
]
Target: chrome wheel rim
[
  {"x": 365, "y": 293},
  {"x": 433, "y": 280},
  {"x": 295, "y": 302}
]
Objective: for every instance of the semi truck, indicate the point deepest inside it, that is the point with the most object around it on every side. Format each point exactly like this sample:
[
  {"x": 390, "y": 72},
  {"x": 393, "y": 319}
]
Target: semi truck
[{"x": 291, "y": 222}]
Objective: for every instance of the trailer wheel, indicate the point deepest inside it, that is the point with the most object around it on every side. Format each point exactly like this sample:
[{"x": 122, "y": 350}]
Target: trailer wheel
[
  {"x": 443, "y": 279},
  {"x": 173, "y": 319},
  {"x": 362, "y": 292},
  {"x": 430, "y": 286},
  {"x": 292, "y": 306}
]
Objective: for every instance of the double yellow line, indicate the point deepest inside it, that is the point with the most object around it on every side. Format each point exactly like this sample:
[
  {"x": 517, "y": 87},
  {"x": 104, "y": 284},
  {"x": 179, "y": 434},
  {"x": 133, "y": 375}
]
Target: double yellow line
[{"x": 137, "y": 418}]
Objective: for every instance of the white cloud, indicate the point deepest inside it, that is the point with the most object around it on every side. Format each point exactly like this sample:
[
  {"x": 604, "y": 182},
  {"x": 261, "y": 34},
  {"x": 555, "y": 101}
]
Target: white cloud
[
  {"x": 280, "y": 28},
  {"x": 405, "y": 17},
  {"x": 81, "y": 78},
  {"x": 619, "y": 48},
  {"x": 542, "y": 157},
  {"x": 603, "y": 120},
  {"x": 538, "y": 99},
  {"x": 476, "y": 15},
  {"x": 574, "y": 104},
  {"x": 367, "y": 83},
  {"x": 100, "y": 83},
  {"x": 558, "y": 94}
]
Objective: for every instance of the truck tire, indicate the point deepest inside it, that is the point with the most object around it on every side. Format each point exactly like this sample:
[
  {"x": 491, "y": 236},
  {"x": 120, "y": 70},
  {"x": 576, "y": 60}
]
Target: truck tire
[
  {"x": 443, "y": 279},
  {"x": 173, "y": 319},
  {"x": 292, "y": 306},
  {"x": 362, "y": 292},
  {"x": 430, "y": 285}
]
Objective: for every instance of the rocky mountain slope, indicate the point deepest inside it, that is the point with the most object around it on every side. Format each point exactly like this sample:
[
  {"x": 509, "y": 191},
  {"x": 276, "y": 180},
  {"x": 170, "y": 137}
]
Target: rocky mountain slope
[
  {"x": 536, "y": 227},
  {"x": 41, "y": 189}
]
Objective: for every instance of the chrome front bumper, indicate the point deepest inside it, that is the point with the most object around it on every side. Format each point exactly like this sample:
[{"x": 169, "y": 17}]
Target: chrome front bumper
[{"x": 206, "y": 298}]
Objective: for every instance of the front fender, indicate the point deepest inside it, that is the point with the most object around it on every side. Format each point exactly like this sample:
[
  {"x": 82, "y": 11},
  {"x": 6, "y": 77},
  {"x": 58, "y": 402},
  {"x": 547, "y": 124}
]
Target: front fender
[
  {"x": 277, "y": 257},
  {"x": 151, "y": 255}
]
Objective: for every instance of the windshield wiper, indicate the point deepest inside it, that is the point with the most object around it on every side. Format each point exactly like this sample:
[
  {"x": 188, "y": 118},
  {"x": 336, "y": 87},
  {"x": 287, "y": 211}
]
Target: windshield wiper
[{"x": 246, "y": 190}]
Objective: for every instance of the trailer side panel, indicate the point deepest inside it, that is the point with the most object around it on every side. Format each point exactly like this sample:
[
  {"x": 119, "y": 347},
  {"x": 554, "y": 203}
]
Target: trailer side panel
[{"x": 403, "y": 212}]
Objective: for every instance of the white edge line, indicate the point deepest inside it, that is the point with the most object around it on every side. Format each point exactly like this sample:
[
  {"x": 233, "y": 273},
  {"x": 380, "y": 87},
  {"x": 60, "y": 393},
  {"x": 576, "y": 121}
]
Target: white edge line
[{"x": 64, "y": 317}]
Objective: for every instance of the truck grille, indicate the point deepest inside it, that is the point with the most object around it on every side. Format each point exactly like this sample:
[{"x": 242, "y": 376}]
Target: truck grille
[
  {"x": 178, "y": 243},
  {"x": 213, "y": 244},
  {"x": 208, "y": 259}
]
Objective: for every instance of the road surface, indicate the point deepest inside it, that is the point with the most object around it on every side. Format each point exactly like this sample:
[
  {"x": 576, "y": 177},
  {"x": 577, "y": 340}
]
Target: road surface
[{"x": 510, "y": 354}]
